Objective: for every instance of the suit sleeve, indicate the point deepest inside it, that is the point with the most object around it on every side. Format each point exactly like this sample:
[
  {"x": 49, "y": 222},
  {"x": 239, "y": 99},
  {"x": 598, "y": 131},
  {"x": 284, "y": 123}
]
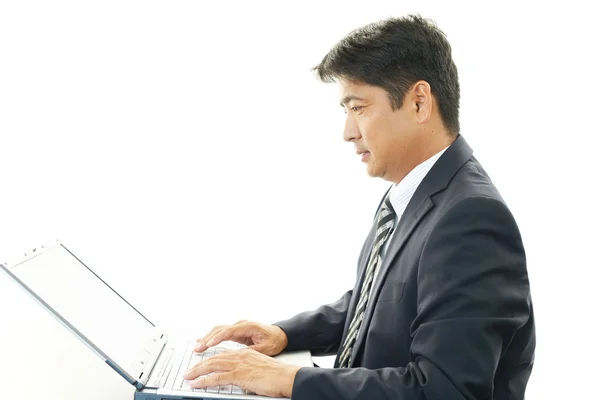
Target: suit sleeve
[
  {"x": 319, "y": 331},
  {"x": 473, "y": 296}
]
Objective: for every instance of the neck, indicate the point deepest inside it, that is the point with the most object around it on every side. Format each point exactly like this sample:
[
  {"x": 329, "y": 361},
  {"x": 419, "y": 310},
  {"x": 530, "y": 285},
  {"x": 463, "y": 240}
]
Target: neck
[{"x": 434, "y": 143}]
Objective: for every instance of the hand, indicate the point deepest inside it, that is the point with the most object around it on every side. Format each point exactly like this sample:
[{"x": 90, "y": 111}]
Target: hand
[
  {"x": 266, "y": 339},
  {"x": 247, "y": 369}
]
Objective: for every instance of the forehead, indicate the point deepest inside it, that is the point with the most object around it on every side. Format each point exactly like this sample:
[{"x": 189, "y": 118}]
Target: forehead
[
  {"x": 348, "y": 88},
  {"x": 352, "y": 90}
]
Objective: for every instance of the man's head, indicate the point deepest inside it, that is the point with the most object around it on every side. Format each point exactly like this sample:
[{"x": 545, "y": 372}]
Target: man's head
[{"x": 399, "y": 87}]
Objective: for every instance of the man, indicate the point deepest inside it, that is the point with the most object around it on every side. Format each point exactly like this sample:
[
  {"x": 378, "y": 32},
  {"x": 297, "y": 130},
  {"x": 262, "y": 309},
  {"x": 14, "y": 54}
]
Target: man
[{"x": 441, "y": 308}]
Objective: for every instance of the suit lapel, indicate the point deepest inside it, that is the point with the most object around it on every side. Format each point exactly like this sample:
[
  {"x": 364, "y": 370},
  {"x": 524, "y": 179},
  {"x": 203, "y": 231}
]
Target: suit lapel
[
  {"x": 403, "y": 231},
  {"x": 419, "y": 205}
]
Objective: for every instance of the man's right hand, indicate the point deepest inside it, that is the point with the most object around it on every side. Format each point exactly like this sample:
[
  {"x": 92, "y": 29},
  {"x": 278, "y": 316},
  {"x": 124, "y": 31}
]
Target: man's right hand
[{"x": 266, "y": 339}]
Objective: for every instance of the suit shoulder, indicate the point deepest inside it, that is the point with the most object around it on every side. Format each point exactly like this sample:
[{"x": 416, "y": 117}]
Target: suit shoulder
[
  {"x": 471, "y": 190},
  {"x": 471, "y": 181}
]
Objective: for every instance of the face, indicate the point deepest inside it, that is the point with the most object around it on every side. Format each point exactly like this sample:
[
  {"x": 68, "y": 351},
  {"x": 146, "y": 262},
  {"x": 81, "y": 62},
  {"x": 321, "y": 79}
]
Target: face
[{"x": 389, "y": 142}]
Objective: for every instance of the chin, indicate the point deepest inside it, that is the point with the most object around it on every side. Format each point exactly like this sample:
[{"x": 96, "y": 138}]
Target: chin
[{"x": 373, "y": 172}]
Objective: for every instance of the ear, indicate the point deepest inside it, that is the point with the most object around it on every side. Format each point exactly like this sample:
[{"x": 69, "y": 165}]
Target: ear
[{"x": 423, "y": 101}]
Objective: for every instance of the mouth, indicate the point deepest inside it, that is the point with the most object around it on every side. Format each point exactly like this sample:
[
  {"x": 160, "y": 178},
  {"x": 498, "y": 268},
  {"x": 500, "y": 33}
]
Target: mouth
[{"x": 364, "y": 155}]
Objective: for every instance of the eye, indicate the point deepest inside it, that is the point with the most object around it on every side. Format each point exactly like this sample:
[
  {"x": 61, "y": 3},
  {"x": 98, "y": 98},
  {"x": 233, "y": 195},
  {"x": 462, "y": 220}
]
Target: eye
[{"x": 354, "y": 109}]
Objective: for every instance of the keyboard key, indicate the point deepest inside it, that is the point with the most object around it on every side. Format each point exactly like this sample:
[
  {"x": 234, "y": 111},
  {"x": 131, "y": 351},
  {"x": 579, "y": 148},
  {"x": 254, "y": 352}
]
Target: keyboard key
[
  {"x": 178, "y": 380},
  {"x": 214, "y": 389},
  {"x": 237, "y": 390},
  {"x": 225, "y": 389},
  {"x": 186, "y": 386}
]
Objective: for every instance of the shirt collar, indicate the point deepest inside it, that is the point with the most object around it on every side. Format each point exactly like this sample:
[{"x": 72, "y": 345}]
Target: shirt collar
[{"x": 401, "y": 193}]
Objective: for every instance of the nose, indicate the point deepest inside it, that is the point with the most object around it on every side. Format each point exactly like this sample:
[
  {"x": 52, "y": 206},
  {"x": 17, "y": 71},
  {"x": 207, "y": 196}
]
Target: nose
[{"x": 351, "y": 131}]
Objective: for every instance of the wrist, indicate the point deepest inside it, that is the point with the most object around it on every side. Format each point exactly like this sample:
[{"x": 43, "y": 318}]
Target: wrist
[
  {"x": 290, "y": 376},
  {"x": 283, "y": 339}
]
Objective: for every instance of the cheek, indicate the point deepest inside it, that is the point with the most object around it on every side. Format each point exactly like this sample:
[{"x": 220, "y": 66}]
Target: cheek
[
  {"x": 369, "y": 133},
  {"x": 374, "y": 136}
]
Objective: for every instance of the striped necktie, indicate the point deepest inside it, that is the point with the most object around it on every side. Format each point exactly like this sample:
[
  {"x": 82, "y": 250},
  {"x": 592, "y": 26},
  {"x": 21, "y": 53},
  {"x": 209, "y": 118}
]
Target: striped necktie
[{"x": 385, "y": 223}]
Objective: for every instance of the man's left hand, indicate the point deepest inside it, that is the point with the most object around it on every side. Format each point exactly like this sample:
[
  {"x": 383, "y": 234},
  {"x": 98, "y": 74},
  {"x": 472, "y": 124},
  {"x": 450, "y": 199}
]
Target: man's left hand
[{"x": 247, "y": 369}]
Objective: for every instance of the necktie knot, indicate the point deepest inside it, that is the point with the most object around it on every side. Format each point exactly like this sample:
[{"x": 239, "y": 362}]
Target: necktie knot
[{"x": 385, "y": 219}]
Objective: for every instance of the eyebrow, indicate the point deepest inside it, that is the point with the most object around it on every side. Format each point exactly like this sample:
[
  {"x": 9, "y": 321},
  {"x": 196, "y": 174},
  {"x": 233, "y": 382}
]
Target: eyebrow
[{"x": 346, "y": 99}]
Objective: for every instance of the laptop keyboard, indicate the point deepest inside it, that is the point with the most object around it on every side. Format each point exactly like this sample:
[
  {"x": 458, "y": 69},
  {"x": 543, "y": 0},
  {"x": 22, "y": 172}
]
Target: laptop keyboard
[{"x": 191, "y": 358}]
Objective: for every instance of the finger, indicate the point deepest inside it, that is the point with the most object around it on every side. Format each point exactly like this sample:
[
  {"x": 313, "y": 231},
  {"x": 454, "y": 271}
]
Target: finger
[
  {"x": 234, "y": 332},
  {"x": 209, "y": 332},
  {"x": 217, "y": 337},
  {"x": 216, "y": 328},
  {"x": 206, "y": 342},
  {"x": 246, "y": 341},
  {"x": 228, "y": 354},
  {"x": 214, "y": 380},
  {"x": 208, "y": 367},
  {"x": 201, "y": 346}
]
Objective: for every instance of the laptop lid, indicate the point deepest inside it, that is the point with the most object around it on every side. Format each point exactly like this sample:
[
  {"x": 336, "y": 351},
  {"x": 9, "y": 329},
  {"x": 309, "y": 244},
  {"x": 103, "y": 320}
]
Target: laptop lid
[{"x": 87, "y": 306}]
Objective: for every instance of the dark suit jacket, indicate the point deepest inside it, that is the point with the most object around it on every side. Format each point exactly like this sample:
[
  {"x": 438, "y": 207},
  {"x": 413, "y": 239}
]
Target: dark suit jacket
[{"x": 450, "y": 316}]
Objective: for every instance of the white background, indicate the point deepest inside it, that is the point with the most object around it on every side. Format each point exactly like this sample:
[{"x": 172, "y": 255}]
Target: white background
[{"x": 187, "y": 153}]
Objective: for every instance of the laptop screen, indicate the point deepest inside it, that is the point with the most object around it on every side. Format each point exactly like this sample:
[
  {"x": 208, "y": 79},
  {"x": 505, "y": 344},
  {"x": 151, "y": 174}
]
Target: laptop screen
[{"x": 87, "y": 303}]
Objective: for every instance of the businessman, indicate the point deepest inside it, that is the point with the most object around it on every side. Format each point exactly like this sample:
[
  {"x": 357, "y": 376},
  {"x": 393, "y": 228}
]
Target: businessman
[{"x": 441, "y": 308}]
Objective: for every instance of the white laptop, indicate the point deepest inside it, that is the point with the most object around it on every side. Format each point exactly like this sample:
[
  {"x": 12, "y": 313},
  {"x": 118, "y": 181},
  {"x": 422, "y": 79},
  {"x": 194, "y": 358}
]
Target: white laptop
[{"x": 115, "y": 331}]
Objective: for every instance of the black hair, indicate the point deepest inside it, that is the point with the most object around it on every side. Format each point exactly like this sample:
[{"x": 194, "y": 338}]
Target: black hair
[{"x": 394, "y": 54}]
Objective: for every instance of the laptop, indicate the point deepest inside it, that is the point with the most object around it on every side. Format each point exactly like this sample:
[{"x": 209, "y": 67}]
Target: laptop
[{"x": 112, "y": 328}]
